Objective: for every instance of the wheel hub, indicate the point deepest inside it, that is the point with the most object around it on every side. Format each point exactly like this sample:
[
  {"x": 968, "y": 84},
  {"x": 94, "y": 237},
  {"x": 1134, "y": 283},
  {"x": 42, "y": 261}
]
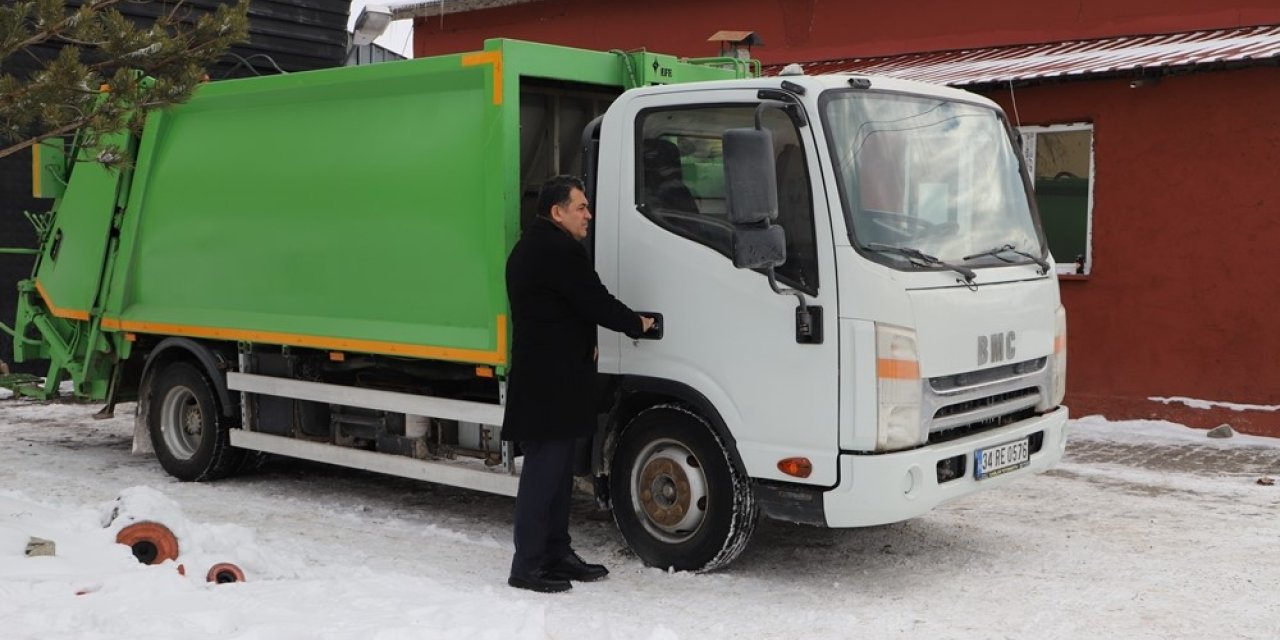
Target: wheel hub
[
  {"x": 669, "y": 491},
  {"x": 664, "y": 493},
  {"x": 181, "y": 422},
  {"x": 191, "y": 422}
]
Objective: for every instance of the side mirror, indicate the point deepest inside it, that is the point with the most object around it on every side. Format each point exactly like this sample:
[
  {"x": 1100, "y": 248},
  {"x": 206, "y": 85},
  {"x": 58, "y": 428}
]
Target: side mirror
[
  {"x": 750, "y": 184},
  {"x": 751, "y": 191},
  {"x": 759, "y": 247}
]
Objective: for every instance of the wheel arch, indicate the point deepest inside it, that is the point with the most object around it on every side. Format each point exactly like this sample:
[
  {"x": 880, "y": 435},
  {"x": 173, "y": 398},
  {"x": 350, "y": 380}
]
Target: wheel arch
[
  {"x": 637, "y": 393},
  {"x": 211, "y": 360}
]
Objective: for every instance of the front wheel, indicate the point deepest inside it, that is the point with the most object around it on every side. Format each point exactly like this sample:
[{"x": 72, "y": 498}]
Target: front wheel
[
  {"x": 192, "y": 438},
  {"x": 678, "y": 498}
]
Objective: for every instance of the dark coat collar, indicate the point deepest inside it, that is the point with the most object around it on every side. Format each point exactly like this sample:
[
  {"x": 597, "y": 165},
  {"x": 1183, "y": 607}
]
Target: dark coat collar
[{"x": 544, "y": 229}]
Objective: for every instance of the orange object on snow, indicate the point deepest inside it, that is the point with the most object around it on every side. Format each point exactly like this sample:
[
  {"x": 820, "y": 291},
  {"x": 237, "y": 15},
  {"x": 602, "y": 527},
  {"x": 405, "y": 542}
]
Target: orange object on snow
[
  {"x": 225, "y": 573},
  {"x": 151, "y": 542}
]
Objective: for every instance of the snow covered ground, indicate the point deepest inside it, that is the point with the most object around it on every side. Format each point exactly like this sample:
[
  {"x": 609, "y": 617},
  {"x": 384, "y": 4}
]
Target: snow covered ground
[{"x": 1095, "y": 548}]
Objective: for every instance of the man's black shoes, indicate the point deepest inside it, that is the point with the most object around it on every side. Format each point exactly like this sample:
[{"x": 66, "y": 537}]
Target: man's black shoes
[
  {"x": 555, "y": 576},
  {"x": 571, "y": 567},
  {"x": 539, "y": 581}
]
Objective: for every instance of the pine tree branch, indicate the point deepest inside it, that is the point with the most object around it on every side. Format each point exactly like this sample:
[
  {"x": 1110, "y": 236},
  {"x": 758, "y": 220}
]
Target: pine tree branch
[
  {"x": 44, "y": 34},
  {"x": 98, "y": 46},
  {"x": 8, "y": 151}
]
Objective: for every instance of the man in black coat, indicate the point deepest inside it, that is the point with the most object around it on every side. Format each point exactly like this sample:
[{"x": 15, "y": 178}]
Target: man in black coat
[{"x": 557, "y": 301}]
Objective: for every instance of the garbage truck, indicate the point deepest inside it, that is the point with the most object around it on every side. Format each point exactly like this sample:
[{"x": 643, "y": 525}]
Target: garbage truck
[{"x": 858, "y": 315}]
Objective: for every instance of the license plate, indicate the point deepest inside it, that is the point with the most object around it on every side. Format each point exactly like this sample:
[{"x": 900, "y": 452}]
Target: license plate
[{"x": 1001, "y": 459}]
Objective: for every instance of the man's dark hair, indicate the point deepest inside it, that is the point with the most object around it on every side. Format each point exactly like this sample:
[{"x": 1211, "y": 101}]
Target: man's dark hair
[{"x": 556, "y": 191}]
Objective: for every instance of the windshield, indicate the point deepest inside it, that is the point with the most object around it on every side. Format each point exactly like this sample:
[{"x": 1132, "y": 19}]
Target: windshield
[{"x": 930, "y": 175}]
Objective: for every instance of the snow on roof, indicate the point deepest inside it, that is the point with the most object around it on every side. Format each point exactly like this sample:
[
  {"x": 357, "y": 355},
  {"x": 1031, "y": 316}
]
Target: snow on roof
[{"x": 1067, "y": 59}]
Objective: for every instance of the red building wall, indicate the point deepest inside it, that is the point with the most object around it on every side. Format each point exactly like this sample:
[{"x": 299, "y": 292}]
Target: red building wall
[
  {"x": 1183, "y": 289},
  {"x": 808, "y": 30}
]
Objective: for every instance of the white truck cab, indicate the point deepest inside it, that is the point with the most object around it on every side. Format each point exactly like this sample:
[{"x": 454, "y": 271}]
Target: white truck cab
[{"x": 866, "y": 312}]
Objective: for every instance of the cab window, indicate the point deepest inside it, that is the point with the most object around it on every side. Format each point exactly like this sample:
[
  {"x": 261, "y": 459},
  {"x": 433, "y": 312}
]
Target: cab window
[{"x": 680, "y": 181}]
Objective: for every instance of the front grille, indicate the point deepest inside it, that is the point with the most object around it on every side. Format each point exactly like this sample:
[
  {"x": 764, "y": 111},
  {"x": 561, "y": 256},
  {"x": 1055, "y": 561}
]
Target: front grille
[
  {"x": 979, "y": 403},
  {"x": 944, "y": 384},
  {"x": 979, "y": 414},
  {"x": 955, "y": 433}
]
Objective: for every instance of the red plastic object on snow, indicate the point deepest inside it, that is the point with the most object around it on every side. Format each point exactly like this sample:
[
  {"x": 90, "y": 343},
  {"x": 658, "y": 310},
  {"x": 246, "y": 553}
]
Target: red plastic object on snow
[
  {"x": 151, "y": 542},
  {"x": 225, "y": 573}
]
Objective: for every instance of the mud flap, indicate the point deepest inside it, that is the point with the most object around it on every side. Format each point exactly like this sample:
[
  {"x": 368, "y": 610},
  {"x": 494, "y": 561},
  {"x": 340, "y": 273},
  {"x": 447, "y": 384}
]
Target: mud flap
[{"x": 142, "y": 444}]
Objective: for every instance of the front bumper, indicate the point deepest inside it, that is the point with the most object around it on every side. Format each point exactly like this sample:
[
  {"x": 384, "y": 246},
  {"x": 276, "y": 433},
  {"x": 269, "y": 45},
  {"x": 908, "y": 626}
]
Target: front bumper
[{"x": 891, "y": 487}]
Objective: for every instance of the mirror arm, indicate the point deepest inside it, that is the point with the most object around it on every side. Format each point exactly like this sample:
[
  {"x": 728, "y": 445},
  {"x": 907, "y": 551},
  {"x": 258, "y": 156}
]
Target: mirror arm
[
  {"x": 773, "y": 284},
  {"x": 806, "y": 331}
]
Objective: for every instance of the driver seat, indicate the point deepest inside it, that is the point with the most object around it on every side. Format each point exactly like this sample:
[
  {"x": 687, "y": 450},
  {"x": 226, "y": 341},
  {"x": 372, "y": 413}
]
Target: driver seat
[{"x": 664, "y": 186}]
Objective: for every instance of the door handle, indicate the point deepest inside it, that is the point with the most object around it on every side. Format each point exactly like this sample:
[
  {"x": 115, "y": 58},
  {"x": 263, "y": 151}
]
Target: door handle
[{"x": 654, "y": 332}]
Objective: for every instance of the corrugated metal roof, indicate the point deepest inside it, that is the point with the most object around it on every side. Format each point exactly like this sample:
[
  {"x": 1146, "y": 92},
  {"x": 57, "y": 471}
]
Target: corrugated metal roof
[{"x": 1067, "y": 59}]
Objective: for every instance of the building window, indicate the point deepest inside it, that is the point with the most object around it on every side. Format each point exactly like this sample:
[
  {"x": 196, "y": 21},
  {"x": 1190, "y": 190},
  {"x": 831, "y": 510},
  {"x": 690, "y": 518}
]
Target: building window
[{"x": 1060, "y": 159}]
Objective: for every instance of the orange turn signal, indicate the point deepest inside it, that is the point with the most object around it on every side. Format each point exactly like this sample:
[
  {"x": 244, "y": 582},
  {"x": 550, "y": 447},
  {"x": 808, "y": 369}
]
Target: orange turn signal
[{"x": 798, "y": 467}]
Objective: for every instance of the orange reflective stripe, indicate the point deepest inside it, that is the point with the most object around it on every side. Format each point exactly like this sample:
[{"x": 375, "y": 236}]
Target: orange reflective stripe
[
  {"x": 1059, "y": 344},
  {"x": 496, "y": 357},
  {"x": 35, "y": 170},
  {"x": 73, "y": 314},
  {"x": 488, "y": 57},
  {"x": 897, "y": 369}
]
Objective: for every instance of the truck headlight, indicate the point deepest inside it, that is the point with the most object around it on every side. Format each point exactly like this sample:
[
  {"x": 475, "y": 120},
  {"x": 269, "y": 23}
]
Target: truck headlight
[
  {"x": 898, "y": 390},
  {"x": 1059, "y": 357}
]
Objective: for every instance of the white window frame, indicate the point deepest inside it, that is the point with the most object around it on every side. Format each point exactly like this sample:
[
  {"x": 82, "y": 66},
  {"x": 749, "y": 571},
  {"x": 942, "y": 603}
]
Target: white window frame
[{"x": 1029, "y": 153}]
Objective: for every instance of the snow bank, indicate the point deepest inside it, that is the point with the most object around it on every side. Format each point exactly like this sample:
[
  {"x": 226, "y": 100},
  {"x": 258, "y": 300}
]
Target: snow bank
[
  {"x": 99, "y": 590},
  {"x": 1195, "y": 403},
  {"x": 1143, "y": 432}
]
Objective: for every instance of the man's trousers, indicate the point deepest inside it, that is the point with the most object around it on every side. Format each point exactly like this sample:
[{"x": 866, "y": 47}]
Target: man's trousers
[{"x": 542, "y": 505}]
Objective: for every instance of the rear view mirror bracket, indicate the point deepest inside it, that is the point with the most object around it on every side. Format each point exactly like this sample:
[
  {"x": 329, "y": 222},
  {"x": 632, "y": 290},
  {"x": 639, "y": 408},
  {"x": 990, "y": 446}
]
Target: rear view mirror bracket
[{"x": 752, "y": 189}]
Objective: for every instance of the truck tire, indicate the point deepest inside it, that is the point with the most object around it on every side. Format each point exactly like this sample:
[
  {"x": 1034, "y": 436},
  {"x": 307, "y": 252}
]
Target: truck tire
[
  {"x": 191, "y": 436},
  {"x": 678, "y": 497}
]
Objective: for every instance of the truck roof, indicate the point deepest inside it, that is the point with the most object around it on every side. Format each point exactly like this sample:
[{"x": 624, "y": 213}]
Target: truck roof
[{"x": 825, "y": 82}]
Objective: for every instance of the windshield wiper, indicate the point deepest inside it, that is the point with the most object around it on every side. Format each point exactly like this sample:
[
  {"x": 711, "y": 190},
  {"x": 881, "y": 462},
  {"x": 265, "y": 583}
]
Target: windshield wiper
[
  {"x": 1008, "y": 248},
  {"x": 922, "y": 259}
]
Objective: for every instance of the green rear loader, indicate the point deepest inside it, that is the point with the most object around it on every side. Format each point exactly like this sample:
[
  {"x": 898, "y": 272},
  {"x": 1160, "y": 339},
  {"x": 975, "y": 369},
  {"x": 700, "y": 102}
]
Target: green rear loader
[{"x": 364, "y": 210}]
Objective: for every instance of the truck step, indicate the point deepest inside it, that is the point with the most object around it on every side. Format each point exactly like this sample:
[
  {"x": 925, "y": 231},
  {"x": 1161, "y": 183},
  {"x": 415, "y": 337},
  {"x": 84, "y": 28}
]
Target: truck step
[{"x": 468, "y": 474}]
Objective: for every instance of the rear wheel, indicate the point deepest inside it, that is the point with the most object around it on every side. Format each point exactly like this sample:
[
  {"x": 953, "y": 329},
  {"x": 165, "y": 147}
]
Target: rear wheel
[
  {"x": 191, "y": 436},
  {"x": 678, "y": 498}
]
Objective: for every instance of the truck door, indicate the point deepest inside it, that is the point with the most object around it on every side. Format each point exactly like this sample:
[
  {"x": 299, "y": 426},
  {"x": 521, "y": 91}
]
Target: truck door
[{"x": 726, "y": 334}]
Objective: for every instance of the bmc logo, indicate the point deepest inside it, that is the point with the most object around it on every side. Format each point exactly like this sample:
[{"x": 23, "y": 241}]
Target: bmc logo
[{"x": 997, "y": 347}]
